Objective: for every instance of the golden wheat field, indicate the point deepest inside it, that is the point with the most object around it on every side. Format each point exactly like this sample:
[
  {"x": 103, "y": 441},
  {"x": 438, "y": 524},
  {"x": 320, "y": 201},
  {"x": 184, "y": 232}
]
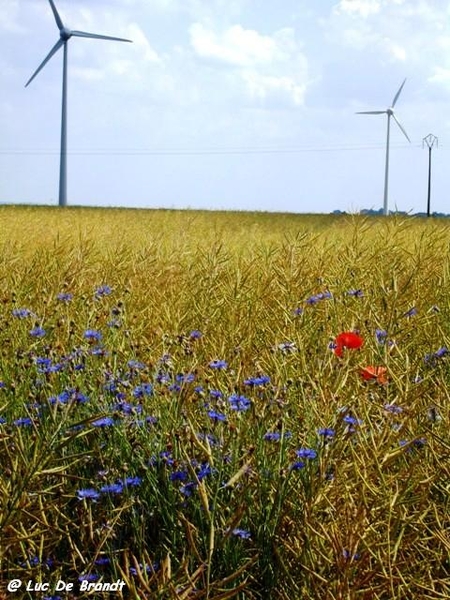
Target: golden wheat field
[{"x": 213, "y": 405}]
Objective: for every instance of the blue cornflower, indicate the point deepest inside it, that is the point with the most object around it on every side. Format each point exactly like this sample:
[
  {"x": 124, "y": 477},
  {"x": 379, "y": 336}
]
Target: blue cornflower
[
  {"x": 218, "y": 364},
  {"x": 132, "y": 481},
  {"x": 204, "y": 471},
  {"x": 239, "y": 403},
  {"x": 188, "y": 488},
  {"x": 166, "y": 456},
  {"x": 356, "y": 293},
  {"x": 185, "y": 377},
  {"x": 103, "y": 560},
  {"x": 64, "y": 297},
  {"x": 165, "y": 359},
  {"x": 326, "y": 432},
  {"x": 144, "y": 389},
  {"x": 440, "y": 353},
  {"x": 22, "y": 313},
  {"x": 272, "y": 436},
  {"x": 327, "y": 295},
  {"x": 195, "y": 334},
  {"x": 43, "y": 362},
  {"x": 297, "y": 465},
  {"x": 23, "y": 421},
  {"x": 276, "y": 436},
  {"x": 381, "y": 335},
  {"x": 31, "y": 561},
  {"x": 215, "y": 394},
  {"x": 145, "y": 568},
  {"x": 352, "y": 420},
  {"x": 70, "y": 395},
  {"x": 306, "y": 453},
  {"x": 349, "y": 556},
  {"x": 103, "y": 422},
  {"x": 88, "y": 577},
  {"x": 37, "y": 331},
  {"x": 417, "y": 443},
  {"x": 443, "y": 351},
  {"x": 411, "y": 312},
  {"x": 135, "y": 364},
  {"x": 110, "y": 386},
  {"x": 312, "y": 300},
  {"x": 127, "y": 408},
  {"x": 2, "y": 420},
  {"x": 179, "y": 476},
  {"x": 211, "y": 439},
  {"x": 243, "y": 534},
  {"x": 163, "y": 377},
  {"x": 318, "y": 297},
  {"x": 112, "y": 488},
  {"x": 287, "y": 347},
  {"x": 259, "y": 380},
  {"x": 88, "y": 493},
  {"x": 393, "y": 408},
  {"x": 298, "y": 311},
  {"x": 103, "y": 290},
  {"x": 92, "y": 335},
  {"x": 216, "y": 416}
]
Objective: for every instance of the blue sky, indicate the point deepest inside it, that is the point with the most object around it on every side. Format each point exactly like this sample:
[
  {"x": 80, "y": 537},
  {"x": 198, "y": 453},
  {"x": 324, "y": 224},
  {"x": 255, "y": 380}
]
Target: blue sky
[{"x": 227, "y": 104}]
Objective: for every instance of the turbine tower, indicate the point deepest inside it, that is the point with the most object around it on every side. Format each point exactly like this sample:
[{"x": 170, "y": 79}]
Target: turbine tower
[
  {"x": 390, "y": 113},
  {"x": 64, "y": 35}
]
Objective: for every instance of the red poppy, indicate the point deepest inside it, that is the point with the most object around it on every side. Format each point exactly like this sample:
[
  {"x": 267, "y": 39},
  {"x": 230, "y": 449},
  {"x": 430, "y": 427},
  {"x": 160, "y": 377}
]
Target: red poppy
[
  {"x": 347, "y": 339},
  {"x": 374, "y": 373}
]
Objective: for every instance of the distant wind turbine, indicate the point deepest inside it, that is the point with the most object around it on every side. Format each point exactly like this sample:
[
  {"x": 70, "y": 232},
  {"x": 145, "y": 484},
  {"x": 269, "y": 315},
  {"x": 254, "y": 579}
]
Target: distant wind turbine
[
  {"x": 390, "y": 113},
  {"x": 64, "y": 35}
]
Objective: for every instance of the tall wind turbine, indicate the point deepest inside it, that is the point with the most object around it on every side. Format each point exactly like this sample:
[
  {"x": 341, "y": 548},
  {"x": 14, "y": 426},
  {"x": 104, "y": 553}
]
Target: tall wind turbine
[
  {"x": 390, "y": 113},
  {"x": 64, "y": 35}
]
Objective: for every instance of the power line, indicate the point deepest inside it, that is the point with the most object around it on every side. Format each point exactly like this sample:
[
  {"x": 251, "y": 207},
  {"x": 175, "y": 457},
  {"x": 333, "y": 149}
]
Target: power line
[{"x": 199, "y": 152}]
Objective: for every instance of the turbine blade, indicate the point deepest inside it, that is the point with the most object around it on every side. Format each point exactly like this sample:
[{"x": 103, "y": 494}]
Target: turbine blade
[
  {"x": 371, "y": 112},
  {"x": 404, "y": 132},
  {"x": 96, "y": 36},
  {"x": 56, "y": 15},
  {"x": 398, "y": 94},
  {"x": 55, "y": 48}
]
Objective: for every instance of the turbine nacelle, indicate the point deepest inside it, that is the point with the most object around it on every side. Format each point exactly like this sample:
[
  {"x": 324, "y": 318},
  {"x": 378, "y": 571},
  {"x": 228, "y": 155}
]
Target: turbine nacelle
[{"x": 65, "y": 33}]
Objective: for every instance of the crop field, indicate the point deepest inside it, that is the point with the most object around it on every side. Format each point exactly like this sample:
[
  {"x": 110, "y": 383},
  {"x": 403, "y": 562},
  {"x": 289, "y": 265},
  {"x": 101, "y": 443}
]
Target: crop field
[{"x": 218, "y": 405}]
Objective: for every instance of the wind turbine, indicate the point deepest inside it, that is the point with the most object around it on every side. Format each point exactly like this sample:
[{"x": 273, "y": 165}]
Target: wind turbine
[
  {"x": 64, "y": 35},
  {"x": 390, "y": 113}
]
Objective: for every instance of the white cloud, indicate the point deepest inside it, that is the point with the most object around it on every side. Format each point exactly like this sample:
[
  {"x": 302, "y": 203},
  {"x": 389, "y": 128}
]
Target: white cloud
[
  {"x": 396, "y": 51},
  {"x": 267, "y": 69},
  {"x": 358, "y": 8},
  {"x": 235, "y": 46},
  {"x": 278, "y": 90}
]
